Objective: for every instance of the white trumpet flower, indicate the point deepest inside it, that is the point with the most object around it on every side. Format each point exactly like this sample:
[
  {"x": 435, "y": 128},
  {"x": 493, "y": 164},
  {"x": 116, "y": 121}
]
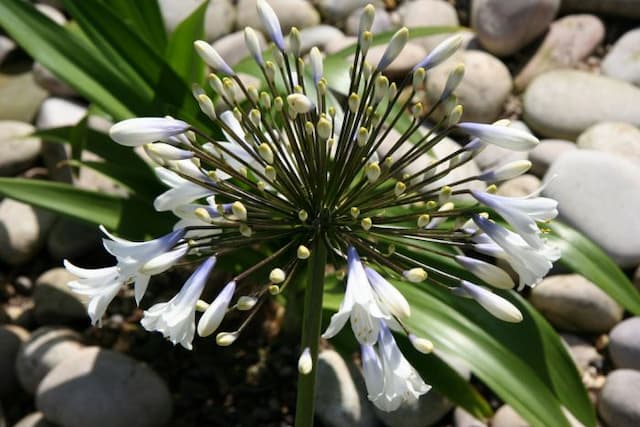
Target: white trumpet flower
[
  {"x": 531, "y": 264},
  {"x": 359, "y": 305},
  {"x": 100, "y": 285},
  {"x": 175, "y": 319},
  {"x": 521, "y": 213},
  {"x": 214, "y": 314}
]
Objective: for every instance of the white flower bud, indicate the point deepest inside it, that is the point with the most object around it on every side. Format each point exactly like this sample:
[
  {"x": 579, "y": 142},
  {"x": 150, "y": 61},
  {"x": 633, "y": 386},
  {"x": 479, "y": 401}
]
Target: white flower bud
[
  {"x": 441, "y": 52},
  {"x": 271, "y": 23},
  {"x": 140, "y": 131},
  {"x": 395, "y": 46},
  {"x": 265, "y": 152},
  {"x": 225, "y": 339},
  {"x": 415, "y": 275},
  {"x": 491, "y": 274},
  {"x": 423, "y": 345},
  {"x": 277, "y": 276},
  {"x": 246, "y": 302},
  {"x": 494, "y": 304},
  {"x": 373, "y": 171},
  {"x": 315, "y": 58},
  {"x": 305, "y": 363},
  {"x": 214, "y": 314},
  {"x": 294, "y": 42},
  {"x": 212, "y": 57},
  {"x": 366, "y": 223},
  {"x": 239, "y": 211},
  {"x": 507, "y": 171},
  {"x": 303, "y": 252},
  {"x": 161, "y": 152},
  {"x": 299, "y": 103},
  {"x": 253, "y": 44},
  {"x": 502, "y": 136}
]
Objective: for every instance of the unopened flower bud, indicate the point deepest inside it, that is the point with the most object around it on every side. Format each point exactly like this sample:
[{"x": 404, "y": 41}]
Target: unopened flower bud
[
  {"x": 423, "y": 220},
  {"x": 305, "y": 363},
  {"x": 299, "y": 103},
  {"x": 294, "y": 42},
  {"x": 265, "y": 152},
  {"x": 245, "y": 230},
  {"x": 395, "y": 46},
  {"x": 423, "y": 345},
  {"x": 239, "y": 211},
  {"x": 355, "y": 212},
  {"x": 212, "y": 57},
  {"x": 354, "y": 102},
  {"x": 225, "y": 339},
  {"x": 270, "y": 173},
  {"x": 277, "y": 276},
  {"x": 373, "y": 171},
  {"x": 507, "y": 171},
  {"x": 366, "y": 223},
  {"x": 246, "y": 302},
  {"x": 399, "y": 188},
  {"x": 253, "y": 44},
  {"x": 273, "y": 289},
  {"x": 303, "y": 252},
  {"x": 303, "y": 215},
  {"x": 415, "y": 275},
  {"x": 315, "y": 59},
  {"x": 362, "y": 136},
  {"x": 441, "y": 52}
]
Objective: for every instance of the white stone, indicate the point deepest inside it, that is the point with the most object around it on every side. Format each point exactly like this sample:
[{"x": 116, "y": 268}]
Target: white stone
[
  {"x": 624, "y": 344},
  {"x": 599, "y": 194},
  {"x": 410, "y": 56},
  {"x": 129, "y": 393},
  {"x": 572, "y": 303},
  {"x": 623, "y": 60},
  {"x": 619, "y": 402},
  {"x": 55, "y": 303},
  {"x": 319, "y": 36},
  {"x": 45, "y": 349},
  {"x": 546, "y": 152},
  {"x": 505, "y": 27},
  {"x": 23, "y": 231},
  {"x": 218, "y": 20},
  {"x": 563, "y": 103},
  {"x": 20, "y": 97},
  {"x": 484, "y": 89},
  {"x": 36, "y": 419},
  {"x": 569, "y": 40},
  {"x": 49, "y": 82},
  {"x": 583, "y": 353},
  {"x": 335, "y": 10},
  {"x": 462, "y": 418},
  {"x": 17, "y": 152},
  {"x": 428, "y": 13},
  {"x": 618, "y": 138},
  {"x": 11, "y": 337},
  {"x": 6, "y": 47},
  {"x": 520, "y": 186},
  {"x": 52, "y": 13},
  {"x": 291, "y": 13}
]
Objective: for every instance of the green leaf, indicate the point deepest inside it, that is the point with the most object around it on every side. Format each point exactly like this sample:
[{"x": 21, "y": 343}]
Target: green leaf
[
  {"x": 130, "y": 217},
  {"x": 433, "y": 369},
  {"x": 100, "y": 144},
  {"x": 66, "y": 56},
  {"x": 180, "y": 52},
  {"x": 582, "y": 256},
  {"x": 143, "y": 17},
  {"x": 166, "y": 91}
]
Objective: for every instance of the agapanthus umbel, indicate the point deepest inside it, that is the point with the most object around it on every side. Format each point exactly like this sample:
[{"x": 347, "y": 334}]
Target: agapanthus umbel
[{"x": 299, "y": 170}]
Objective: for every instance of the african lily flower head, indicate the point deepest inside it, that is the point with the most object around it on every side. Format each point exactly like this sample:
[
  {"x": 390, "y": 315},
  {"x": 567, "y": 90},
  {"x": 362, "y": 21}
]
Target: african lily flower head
[{"x": 303, "y": 174}]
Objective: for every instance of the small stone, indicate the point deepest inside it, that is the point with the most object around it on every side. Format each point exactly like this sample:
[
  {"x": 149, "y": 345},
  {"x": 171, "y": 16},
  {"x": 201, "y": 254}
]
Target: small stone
[
  {"x": 46, "y": 348},
  {"x": 55, "y": 303},
  {"x": 599, "y": 194},
  {"x": 23, "y": 231},
  {"x": 613, "y": 137},
  {"x": 338, "y": 44},
  {"x": 70, "y": 239},
  {"x": 20, "y": 97},
  {"x": 583, "y": 353},
  {"x": 36, "y": 419},
  {"x": 291, "y": 13},
  {"x": 6, "y": 47},
  {"x": 619, "y": 401},
  {"x": 17, "y": 151},
  {"x": 506, "y": 416},
  {"x": 624, "y": 8},
  {"x": 336, "y": 10},
  {"x": 49, "y": 82},
  {"x": 233, "y": 48},
  {"x": 57, "y": 112},
  {"x": 563, "y": 103},
  {"x": 520, "y": 186},
  {"x": 218, "y": 19},
  {"x": 624, "y": 344},
  {"x": 381, "y": 22},
  {"x": 52, "y": 13},
  {"x": 462, "y": 418},
  {"x": 410, "y": 56},
  {"x": 572, "y": 303},
  {"x": 546, "y": 152},
  {"x": 484, "y": 89},
  {"x": 505, "y": 27},
  {"x": 623, "y": 60},
  {"x": 320, "y": 36},
  {"x": 570, "y": 40},
  {"x": 338, "y": 402},
  {"x": 11, "y": 337},
  {"x": 428, "y": 13},
  {"x": 129, "y": 393}
]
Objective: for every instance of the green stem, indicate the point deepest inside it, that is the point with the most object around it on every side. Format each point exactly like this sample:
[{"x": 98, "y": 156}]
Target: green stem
[{"x": 311, "y": 332}]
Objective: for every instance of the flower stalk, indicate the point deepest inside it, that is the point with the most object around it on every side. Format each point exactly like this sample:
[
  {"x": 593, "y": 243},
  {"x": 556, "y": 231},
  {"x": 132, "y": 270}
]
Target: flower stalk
[{"x": 311, "y": 332}]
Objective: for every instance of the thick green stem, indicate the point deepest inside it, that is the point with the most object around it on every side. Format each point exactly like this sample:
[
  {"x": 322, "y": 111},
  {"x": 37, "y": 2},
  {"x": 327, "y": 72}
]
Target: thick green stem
[{"x": 311, "y": 332}]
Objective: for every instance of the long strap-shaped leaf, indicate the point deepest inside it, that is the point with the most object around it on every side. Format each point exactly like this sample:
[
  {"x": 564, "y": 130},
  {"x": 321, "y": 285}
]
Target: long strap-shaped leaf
[
  {"x": 130, "y": 217},
  {"x": 69, "y": 58}
]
